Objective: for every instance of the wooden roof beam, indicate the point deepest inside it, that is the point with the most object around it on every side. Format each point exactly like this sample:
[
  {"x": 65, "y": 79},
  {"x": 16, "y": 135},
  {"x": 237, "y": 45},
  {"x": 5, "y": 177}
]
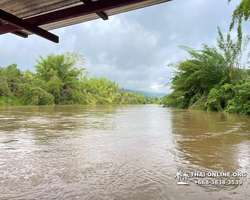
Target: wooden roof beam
[
  {"x": 18, "y": 33},
  {"x": 101, "y": 14},
  {"x": 77, "y": 11},
  {"x": 22, "y": 24},
  {"x": 21, "y": 34}
]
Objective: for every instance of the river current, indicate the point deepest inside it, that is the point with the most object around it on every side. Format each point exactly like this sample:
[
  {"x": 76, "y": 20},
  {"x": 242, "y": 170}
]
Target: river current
[{"x": 121, "y": 153}]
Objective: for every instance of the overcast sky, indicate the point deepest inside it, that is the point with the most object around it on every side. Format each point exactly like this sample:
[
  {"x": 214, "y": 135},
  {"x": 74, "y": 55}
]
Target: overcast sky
[{"x": 131, "y": 48}]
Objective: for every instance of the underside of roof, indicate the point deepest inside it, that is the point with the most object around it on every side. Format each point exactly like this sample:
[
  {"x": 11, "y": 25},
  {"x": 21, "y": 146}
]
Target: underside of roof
[{"x": 25, "y": 17}]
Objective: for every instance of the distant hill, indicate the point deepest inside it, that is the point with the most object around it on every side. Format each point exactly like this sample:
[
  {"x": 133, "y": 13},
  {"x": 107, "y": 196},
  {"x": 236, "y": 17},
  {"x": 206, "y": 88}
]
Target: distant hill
[{"x": 147, "y": 94}]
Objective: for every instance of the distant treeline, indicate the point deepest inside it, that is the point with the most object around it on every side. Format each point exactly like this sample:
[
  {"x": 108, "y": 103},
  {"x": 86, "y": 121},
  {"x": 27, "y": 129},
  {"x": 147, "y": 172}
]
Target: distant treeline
[
  {"x": 147, "y": 94},
  {"x": 60, "y": 79},
  {"x": 214, "y": 78}
]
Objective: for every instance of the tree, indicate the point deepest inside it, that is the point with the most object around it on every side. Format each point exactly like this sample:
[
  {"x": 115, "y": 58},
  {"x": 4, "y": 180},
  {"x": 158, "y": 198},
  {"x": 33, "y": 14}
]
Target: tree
[
  {"x": 77, "y": 60},
  {"x": 60, "y": 79},
  {"x": 242, "y": 12},
  {"x": 61, "y": 76},
  {"x": 207, "y": 79}
]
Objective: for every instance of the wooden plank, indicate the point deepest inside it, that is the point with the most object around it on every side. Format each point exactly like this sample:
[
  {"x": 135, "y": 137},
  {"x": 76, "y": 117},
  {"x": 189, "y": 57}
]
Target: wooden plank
[
  {"x": 101, "y": 14},
  {"x": 22, "y": 24},
  {"x": 77, "y": 11}
]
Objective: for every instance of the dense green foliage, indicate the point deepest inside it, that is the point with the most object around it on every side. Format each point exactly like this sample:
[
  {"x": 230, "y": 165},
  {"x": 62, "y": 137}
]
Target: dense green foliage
[
  {"x": 214, "y": 78},
  {"x": 60, "y": 79},
  {"x": 147, "y": 94},
  {"x": 153, "y": 100}
]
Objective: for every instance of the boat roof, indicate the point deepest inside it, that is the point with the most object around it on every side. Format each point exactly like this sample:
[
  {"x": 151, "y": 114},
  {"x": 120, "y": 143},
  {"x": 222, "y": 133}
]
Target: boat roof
[{"x": 25, "y": 17}]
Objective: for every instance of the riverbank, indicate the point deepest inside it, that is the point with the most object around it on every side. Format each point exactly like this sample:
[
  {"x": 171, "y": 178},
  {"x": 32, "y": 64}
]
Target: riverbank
[
  {"x": 213, "y": 79},
  {"x": 59, "y": 81}
]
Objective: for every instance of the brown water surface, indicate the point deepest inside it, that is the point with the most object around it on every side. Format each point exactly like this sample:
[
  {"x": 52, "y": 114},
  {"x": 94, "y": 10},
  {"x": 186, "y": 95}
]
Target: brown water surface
[{"x": 120, "y": 152}]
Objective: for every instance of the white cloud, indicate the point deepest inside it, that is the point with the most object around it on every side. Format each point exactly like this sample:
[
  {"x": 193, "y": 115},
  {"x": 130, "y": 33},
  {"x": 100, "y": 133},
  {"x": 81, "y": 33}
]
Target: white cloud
[{"x": 132, "y": 48}]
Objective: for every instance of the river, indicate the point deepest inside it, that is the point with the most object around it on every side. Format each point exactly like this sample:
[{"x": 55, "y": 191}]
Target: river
[{"x": 121, "y": 152}]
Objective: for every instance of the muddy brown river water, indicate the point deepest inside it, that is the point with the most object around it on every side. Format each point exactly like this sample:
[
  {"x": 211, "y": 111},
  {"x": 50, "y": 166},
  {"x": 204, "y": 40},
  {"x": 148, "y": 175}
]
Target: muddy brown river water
[{"x": 121, "y": 153}]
